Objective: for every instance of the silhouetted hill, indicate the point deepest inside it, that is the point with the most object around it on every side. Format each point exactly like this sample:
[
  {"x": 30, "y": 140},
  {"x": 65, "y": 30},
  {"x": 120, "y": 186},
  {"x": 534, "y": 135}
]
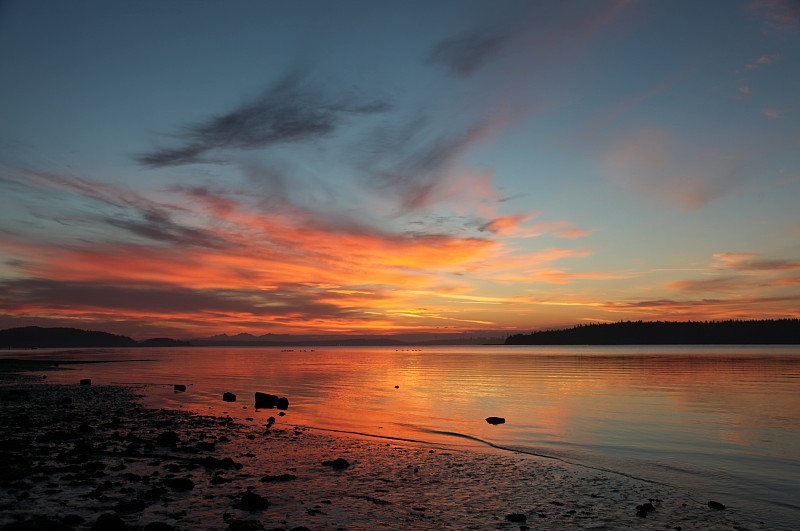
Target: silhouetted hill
[
  {"x": 163, "y": 342},
  {"x": 38, "y": 337},
  {"x": 765, "y": 332}
]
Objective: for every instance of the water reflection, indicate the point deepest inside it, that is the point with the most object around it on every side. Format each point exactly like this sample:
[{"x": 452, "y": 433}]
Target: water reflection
[{"x": 726, "y": 416}]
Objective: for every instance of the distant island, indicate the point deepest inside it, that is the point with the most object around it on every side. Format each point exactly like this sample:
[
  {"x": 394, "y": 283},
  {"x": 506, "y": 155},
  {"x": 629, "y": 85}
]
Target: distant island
[
  {"x": 760, "y": 332},
  {"x": 37, "y": 337}
]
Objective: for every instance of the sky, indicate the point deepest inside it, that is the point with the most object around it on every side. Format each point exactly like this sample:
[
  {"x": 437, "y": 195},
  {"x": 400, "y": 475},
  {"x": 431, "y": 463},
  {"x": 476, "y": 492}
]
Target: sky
[{"x": 189, "y": 168}]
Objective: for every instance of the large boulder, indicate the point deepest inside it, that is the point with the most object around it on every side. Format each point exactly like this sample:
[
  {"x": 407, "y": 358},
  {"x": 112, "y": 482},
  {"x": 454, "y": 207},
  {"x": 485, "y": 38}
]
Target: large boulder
[{"x": 266, "y": 401}]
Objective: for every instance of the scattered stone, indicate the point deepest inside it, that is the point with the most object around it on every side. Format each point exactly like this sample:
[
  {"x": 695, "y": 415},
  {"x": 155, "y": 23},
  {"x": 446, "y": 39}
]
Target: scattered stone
[
  {"x": 159, "y": 526},
  {"x": 281, "y": 477},
  {"x": 495, "y": 420},
  {"x": 86, "y": 381},
  {"x": 130, "y": 506},
  {"x": 716, "y": 505},
  {"x": 180, "y": 484},
  {"x": 228, "y": 397},
  {"x": 252, "y": 501},
  {"x": 167, "y": 438},
  {"x": 179, "y": 388},
  {"x": 397, "y": 387},
  {"x": 646, "y": 507},
  {"x": 206, "y": 446},
  {"x": 338, "y": 464},
  {"x": 235, "y": 524},
  {"x": 109, "y": 522},
  {"x": 516, "y": 517},
  {"x": 214, "y": 463}
]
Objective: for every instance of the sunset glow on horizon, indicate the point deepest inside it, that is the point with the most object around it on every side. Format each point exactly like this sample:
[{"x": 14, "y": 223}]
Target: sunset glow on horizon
[{"x": 188, "y": 169}]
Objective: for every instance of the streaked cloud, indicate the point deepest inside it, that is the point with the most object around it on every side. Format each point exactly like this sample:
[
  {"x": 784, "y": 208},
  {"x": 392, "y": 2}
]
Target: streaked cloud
[{"x": 286, "y": 112}]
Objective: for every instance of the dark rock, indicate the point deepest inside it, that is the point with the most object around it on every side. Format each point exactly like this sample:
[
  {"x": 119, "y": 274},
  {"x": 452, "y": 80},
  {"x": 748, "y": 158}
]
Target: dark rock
[
  {"x": 182, "y": 484},
  {"x": 252, "y": 501},
  {"x": 206, "y": 446},
  {"x": 87, "y": 381},
  {"x": 235, "y": 524},
  {"x": 266, "y": 401},
  {"x": 67, "y": 400},
  {"x": 167, "y": 438},
  {"x": 281, "y": 414},
  {"x": 227, "y": 462},
  {"x": 516, "y": 517},
  {"x": 85, "y": 428},
  {"x": 38, "y": 523},
  {"x": 397, "y": 387},
  {"x": 338, "y": 463},
  {"x": 159, "y": 526},
  {"x": 228, "y": 397},
  {"x": 716, "y": 505},
  {"x": 179, "y": 388},
  {"x": 219, "y": 480},
  {"x": 646, "y": 507},
  {"x": 282, "y": 477},
  {"x": 641, "y": 513},
  {"x": 109, "y": 522},
  {"x": 130, "y": 506},
  {"x": 495, "y": 420},
  {"x": 73, "y": 520}
]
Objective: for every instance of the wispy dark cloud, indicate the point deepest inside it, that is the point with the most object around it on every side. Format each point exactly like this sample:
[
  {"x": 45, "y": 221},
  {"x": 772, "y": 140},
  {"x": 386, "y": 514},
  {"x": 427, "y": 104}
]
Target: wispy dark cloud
[
  {"x": 410, "y": 165},
  {"x": 157, "y": 225},
  {"x": 286, "y": 112},
  {"x": 147, "y": 299},
  {"x": 464, "y": 54}
]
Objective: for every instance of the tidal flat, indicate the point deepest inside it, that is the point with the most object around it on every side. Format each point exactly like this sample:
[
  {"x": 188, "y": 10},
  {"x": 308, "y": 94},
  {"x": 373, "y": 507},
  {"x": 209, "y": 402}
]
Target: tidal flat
[{"x": 92, "y": 457}]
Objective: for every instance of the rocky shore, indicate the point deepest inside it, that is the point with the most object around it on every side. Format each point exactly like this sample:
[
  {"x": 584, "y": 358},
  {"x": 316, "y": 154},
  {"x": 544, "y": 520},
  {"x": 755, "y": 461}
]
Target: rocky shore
[{"x": 90, "y": 457}]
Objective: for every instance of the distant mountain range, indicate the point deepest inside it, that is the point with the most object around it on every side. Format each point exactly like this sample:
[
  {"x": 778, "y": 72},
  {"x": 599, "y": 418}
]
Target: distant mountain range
[{"x": 764, "y": 332}]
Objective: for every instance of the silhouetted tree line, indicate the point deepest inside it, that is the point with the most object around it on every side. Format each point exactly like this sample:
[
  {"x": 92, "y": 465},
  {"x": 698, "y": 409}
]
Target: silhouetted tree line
[{"x": 761, "y": 332}]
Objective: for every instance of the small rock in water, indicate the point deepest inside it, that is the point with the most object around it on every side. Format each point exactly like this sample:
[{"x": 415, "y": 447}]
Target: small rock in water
[
  {"x": 266, "y": 401},
  {"x": 338, "y": 463},
  {"x": 495, "y": 420},
  {"x": 87, "y": 381},
  {"x": 516, "y": 517},
  {"x": 716, "y": 505},
  {"x": 179, "y": 388},
  {"x": 253, "y": 501},
  {"x": 228, "y": 397}
]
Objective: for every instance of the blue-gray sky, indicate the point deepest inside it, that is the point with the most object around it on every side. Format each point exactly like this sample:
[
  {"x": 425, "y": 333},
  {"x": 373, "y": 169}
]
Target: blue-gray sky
[{"x": 190, "y": 167}]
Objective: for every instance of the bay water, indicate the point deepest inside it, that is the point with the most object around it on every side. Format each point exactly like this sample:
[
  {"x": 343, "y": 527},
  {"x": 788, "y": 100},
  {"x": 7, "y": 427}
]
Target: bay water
[{"x": 722, "y": 422}]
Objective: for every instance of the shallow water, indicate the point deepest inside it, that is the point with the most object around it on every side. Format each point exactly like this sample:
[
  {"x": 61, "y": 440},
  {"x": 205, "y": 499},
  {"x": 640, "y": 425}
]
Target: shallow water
[{"x": 722, "y": 422}]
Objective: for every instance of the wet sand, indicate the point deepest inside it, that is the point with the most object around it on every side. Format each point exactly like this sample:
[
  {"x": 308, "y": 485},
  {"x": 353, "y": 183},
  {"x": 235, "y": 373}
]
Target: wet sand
[{"x": 91, "y": 457}]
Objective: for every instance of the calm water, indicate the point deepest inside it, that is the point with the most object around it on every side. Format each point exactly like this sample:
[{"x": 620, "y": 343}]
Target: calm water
[{"x": 722, "y": 422}]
